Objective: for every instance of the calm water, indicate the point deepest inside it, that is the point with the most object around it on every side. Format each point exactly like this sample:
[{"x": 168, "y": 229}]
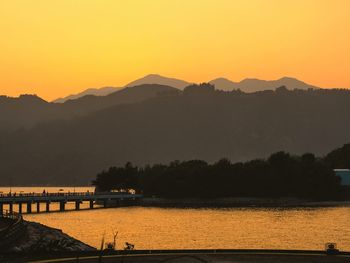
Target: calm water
[{"x": 152, "y": 228}]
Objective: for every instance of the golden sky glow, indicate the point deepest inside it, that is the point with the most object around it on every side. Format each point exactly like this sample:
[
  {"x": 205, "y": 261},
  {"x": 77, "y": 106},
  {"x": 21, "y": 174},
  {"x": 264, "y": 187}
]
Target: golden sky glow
[{"x": 57, "y": 47}]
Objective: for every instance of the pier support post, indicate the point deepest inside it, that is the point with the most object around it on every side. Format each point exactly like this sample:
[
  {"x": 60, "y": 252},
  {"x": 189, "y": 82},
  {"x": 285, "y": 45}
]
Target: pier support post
[
  {"x": 91, "y": 204},
  {"x": 1, "y": 209},
  {"x": 29, "y": 207},
  {"x": 11, "y": 207},
  {"x": 77, "y": 205},
  {"x": 62, "y": 205},
  {"x": 38, "y": 207},
  {"x": 47, "y": 206},
  {"x": 20, "y": 208}
]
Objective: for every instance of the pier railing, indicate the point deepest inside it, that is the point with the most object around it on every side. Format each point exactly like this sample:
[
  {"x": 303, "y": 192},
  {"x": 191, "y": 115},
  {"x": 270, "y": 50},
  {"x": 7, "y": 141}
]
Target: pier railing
[
  {"x": 64, "y": 195},
  {"x": 47, "y": 194}
]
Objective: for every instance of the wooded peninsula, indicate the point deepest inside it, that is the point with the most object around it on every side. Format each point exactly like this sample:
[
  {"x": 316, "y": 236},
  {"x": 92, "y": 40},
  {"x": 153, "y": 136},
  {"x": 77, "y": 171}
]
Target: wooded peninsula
[{"x": 280, "y": 175}]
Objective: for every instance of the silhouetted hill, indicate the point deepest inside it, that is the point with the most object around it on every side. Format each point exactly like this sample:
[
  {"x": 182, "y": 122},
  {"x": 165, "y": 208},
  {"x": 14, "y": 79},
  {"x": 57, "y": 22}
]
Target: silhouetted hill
[
  {"x": 224, "y": 84},
  {"x": 24, "y": 111},
  {"x": 196, "y": 124},
  {"x": 96, "y": 92},
  {"x": 157, "y": 79},
  {"x": 133, "y": 94},
  {"x": 254, "y": 85},
  {"x": 29, "y": 110}
]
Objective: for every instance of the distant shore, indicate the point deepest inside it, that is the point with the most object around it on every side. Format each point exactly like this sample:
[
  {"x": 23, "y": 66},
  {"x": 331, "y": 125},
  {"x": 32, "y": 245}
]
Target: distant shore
[
  {"x": 238, "y": 202},
  {"x": 196, "y": 202}
]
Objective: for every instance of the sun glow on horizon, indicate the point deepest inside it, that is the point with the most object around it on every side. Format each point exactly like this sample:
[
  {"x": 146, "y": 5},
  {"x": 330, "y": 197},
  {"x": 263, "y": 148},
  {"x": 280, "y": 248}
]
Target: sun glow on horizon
[{"x": 59, "y": 47}]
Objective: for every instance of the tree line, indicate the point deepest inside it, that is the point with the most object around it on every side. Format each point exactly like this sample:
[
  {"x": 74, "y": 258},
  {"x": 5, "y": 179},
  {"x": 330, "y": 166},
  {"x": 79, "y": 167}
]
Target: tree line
[{"x": 280, "y": 175}]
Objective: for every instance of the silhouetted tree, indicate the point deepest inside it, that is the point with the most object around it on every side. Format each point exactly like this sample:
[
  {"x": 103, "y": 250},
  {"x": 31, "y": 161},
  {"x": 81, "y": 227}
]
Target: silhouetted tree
[
  {"x": 118, "y": 178},
  {"x": 339, "y": 158}
]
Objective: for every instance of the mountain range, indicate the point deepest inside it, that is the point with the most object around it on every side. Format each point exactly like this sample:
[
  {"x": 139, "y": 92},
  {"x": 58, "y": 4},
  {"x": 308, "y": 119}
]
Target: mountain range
[
  {"x": 246, "y": 85},
  {"x": 68, "y": 143}
]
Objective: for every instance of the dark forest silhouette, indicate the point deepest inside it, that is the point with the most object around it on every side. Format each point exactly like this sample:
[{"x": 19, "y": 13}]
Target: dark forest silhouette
[{"x": 281, "y": 175}]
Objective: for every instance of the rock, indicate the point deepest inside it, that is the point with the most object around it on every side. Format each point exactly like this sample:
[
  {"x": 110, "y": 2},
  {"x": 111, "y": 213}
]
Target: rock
[{"x": 41, "y": 238}]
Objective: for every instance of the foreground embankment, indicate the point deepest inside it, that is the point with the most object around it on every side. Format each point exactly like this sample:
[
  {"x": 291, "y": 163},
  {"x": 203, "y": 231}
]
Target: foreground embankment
[
  {"x": 186, "y": 256},
  {"x": 40, "y": 238}
]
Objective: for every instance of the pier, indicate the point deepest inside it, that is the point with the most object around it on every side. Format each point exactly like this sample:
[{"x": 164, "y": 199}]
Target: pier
[{"x": 26, "y": 201}]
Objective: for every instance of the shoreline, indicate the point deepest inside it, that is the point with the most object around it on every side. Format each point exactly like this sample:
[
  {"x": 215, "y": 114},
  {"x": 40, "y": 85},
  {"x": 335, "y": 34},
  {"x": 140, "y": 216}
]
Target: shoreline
[
  {"x": 238, "y": 202},
  {"x": 185, "y": 255},
  {"x": 216, "y": 202}
]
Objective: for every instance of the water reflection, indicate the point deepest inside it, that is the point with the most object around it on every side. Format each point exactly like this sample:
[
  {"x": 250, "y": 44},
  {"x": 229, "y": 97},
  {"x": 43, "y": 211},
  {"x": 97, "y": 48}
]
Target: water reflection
[{"x": 163, "y": 228}]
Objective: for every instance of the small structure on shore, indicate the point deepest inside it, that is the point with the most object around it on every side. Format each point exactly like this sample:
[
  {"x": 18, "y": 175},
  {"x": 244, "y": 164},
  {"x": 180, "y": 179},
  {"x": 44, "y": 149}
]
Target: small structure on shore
[
  {"x": 111, "y": 246},
  {"x": 344, "y": 174},
  {"x": 331, "y": 249}
]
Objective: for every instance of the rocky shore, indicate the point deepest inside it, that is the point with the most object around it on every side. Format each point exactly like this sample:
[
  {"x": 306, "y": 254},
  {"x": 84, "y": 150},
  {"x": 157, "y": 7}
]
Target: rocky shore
[{"x": 41, "y": 238}]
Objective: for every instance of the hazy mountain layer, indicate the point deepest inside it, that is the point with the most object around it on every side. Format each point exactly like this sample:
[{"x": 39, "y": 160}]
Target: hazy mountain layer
[
  {"x": 246, "y": 85},
  {"x": 148, "y": 79},
  {"x": 254, "y": 85},
  {"x": 96, "y": 92}
]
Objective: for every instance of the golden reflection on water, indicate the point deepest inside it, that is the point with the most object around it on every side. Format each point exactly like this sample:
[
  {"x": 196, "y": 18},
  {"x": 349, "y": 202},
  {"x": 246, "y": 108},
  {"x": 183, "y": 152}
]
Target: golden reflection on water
[
  {"x": 161, "y": 228},
  {"x": 174, "y": 228}
]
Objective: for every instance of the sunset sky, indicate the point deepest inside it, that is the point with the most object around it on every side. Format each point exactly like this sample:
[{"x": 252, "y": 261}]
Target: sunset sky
[{"x": 58, "y": 47}]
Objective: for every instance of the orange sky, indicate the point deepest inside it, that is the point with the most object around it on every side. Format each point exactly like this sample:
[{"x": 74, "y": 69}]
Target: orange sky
[{"x": 58, "y": 47}]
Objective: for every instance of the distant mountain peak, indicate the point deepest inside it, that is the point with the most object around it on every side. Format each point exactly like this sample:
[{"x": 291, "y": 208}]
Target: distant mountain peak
[
  {"x": 223, "y": 84},
  {"x": 288, "y": 78},
  {"x": 153, "y": 75},
  {"x": 161, "y": 80},
  {"x": 31, "y": 98},
  {"x": 222, "y": 79}
]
